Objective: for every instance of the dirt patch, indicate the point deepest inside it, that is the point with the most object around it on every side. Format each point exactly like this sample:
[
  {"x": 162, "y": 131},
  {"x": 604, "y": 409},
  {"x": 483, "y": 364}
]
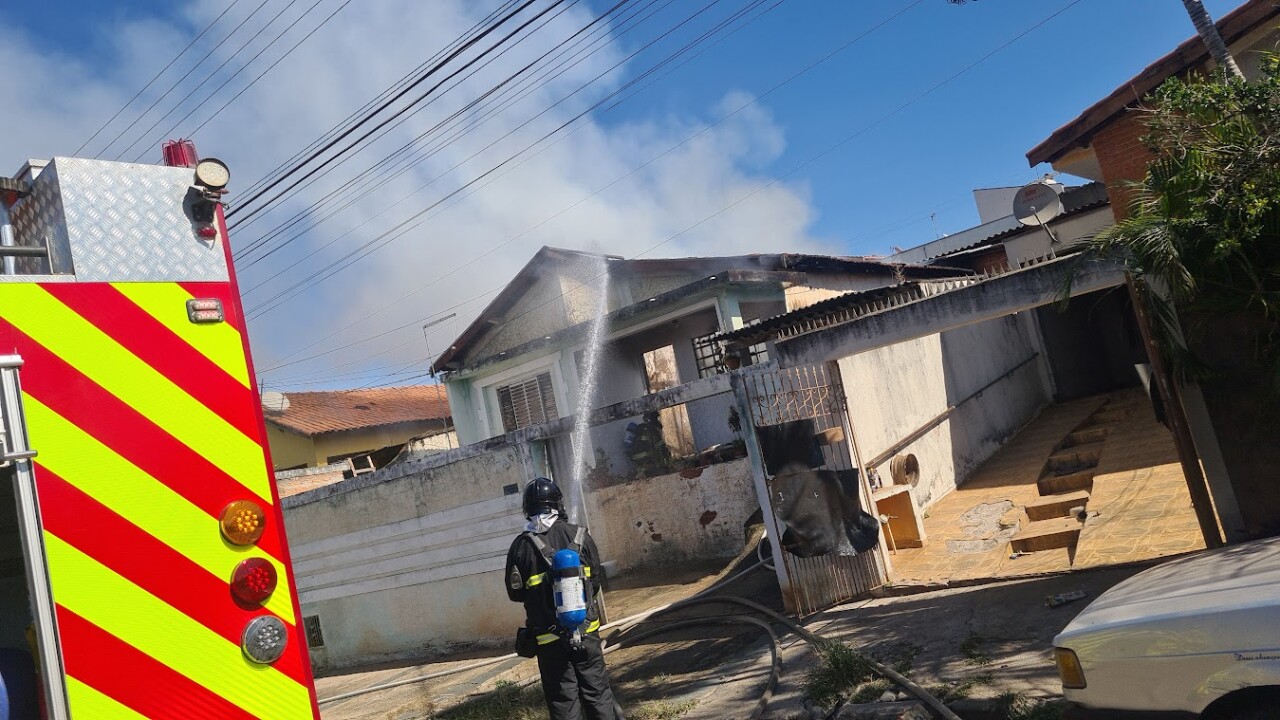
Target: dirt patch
[{"x": 983, "y": 527}]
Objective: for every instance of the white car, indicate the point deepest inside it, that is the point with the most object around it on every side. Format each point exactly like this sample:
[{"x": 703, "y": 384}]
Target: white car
[{"x": 1195, "y": 637}]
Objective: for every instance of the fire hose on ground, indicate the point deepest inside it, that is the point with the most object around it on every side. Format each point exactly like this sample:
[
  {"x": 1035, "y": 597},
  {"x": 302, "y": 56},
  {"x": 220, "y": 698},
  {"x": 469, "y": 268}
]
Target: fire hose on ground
[{"x": 808, "y": 636}]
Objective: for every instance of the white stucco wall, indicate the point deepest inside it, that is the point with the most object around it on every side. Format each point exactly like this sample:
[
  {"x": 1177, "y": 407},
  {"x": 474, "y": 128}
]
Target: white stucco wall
[
  {"x": 894, "y": 390},
  {"x": 671, "y": 519},
  {"x": 412, "y": 566}
]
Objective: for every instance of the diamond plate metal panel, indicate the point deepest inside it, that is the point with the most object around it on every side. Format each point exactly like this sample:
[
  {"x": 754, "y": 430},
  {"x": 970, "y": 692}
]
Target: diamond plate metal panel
[
  {"x": 38, "y": 222},
  {"x": 129, "y": 222}
]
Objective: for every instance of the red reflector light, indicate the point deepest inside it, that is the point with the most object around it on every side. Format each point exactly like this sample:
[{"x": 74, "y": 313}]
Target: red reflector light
[
  {"x": 254, "y": 580},
  {"x": 208, "y": 231},
  {"x": 205, "y": 310}
]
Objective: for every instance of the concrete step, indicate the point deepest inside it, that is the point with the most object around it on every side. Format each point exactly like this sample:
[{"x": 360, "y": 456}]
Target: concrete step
[
  {"x": 1046, "y": 535},
  {"x": 1074, "y": 459},
  {"x": 1050, "y": 484},
  {"x": 1056, "y": 506},
  {"x": 1087, "y": 436}
]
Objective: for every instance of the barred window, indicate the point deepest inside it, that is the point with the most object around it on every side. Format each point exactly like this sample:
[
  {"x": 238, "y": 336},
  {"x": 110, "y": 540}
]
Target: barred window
[
  {"x": 759, "y": 353},
  {"x": 528, "y": 402},
  {"x": 311, "y": 626},
  {"x": 708, "y": 354}
]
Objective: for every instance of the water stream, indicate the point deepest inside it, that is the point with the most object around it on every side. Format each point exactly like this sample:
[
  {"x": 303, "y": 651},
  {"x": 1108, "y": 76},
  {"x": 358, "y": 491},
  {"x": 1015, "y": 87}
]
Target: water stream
[{"x": 587, "y": 387}]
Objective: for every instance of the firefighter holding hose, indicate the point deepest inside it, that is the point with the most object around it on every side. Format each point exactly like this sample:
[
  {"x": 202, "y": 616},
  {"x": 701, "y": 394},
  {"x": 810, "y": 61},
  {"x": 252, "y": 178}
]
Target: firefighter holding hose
[{"x": 553, "y": 568}]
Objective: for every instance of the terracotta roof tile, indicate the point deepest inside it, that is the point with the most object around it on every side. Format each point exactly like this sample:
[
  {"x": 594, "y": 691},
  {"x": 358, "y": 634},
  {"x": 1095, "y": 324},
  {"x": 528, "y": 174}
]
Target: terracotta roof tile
[{"x": 313, "y": 413}]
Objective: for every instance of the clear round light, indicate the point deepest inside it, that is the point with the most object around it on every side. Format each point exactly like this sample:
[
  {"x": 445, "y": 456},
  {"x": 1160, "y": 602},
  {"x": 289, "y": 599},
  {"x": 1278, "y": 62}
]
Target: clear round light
[
  {"x": 212, "y": 173},
  {"x": 264, "y": 639}
]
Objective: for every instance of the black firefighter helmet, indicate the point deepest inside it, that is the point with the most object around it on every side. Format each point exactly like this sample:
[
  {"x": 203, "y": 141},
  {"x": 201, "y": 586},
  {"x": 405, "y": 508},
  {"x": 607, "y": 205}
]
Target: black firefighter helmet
[{"x": 541, "y": 495}]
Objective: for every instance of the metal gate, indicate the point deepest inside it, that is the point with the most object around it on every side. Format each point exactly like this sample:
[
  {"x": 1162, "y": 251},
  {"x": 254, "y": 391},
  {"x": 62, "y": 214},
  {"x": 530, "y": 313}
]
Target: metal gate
[{"x": 772, "y": 396}]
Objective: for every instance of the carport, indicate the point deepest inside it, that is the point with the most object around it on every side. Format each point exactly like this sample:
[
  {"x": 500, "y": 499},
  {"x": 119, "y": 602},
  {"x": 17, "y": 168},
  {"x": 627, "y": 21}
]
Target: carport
[{"x": 1021, "y": 336}]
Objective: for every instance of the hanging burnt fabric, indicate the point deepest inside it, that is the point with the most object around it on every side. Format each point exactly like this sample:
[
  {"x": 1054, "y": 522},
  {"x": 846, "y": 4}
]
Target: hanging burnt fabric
[
  {"x": 821, "y": 512},
  {"x": 790, "y": 443}
]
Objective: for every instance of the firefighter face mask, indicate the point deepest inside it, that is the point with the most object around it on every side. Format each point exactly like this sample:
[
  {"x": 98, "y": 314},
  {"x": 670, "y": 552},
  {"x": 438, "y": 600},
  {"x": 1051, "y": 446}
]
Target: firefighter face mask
[{"x": 542, "y": 523}]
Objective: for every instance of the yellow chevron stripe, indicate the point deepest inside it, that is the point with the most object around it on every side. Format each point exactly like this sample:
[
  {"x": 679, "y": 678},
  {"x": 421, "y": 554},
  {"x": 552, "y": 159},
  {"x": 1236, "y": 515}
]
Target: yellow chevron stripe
[
  {"x": 63, "y": 332},
  {"x": 89, "y": 703},
  {"x": 167, "y": 303},
  {"x": 153, "y": 627},
  {"x": 81, "y": 460}
]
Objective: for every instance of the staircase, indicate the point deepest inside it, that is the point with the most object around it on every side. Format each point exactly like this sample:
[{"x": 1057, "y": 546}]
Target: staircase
[{"x": 1066, "y": 481}]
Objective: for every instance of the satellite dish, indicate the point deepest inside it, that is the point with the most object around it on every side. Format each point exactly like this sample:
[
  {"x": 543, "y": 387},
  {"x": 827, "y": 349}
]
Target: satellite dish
[
  {"x": 1036, "y": 204},
  {"x": 274, "y": 402}
]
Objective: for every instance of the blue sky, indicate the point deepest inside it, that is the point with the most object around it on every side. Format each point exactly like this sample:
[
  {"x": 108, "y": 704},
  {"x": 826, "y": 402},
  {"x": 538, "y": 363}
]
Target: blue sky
[{"x": 672, "y": 168}]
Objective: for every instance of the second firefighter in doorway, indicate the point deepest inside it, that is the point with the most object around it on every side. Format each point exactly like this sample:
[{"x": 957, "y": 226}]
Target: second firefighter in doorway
[{"x": 553, "y": 568}]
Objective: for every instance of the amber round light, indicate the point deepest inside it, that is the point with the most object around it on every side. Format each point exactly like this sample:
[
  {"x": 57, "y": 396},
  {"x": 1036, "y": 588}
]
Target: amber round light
[
  {"x": 242, "y": 522},
  {"x": 254, "y": 580}
]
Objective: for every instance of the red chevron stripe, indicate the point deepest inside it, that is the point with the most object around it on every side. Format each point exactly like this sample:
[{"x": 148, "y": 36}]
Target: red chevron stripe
[
  {"x": 153, "y": 566},
  {"x": 130, "y": 434},
  {"x": 133, "y": 678},
  {"x": 156, "y": 345}
]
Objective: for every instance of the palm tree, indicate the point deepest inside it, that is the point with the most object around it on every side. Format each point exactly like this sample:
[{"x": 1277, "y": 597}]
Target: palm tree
[{"x": 1209, "y": 34}]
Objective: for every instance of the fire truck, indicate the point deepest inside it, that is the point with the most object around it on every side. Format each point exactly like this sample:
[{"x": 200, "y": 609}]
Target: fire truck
[{"x": 144, "y": 570}]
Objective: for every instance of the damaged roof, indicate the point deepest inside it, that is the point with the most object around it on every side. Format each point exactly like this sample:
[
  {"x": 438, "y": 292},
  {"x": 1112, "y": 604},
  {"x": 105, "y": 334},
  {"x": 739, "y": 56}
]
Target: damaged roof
[
  {"x": 753, "y": 267},
  {"x": 842, "y": 308},
  {"x": 315, "y": 413},
  {"x": 1190, "y": 54}
]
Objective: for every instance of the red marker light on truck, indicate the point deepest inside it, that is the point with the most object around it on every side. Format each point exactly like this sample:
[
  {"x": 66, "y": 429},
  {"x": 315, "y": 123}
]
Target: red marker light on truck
[
  {"x": 205, "y": 310},
  {"x": 254, "y": 580}
]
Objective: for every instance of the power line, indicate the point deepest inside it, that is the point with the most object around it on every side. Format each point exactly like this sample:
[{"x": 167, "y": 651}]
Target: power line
[
  {"x": 814, "y": 158},
  {"x": 384, "y": 333},
  {"x": 396, "y": 157},
  {"x": 270, "y": 175},
  {"x": 355, "y": 143},
  {"x": 217, "y": 70},
  {"x": 437, "y": 279},
  {"x": 400, "y": 229},
  {"x": 830, "y": 149},
  {"x": 150, "y": 82},
  {"x": 260, "y": 75},
  {"x": 620, "y": 178},
  {"x": 182, "y": 79},
  {"x": 369, "y": 116}
]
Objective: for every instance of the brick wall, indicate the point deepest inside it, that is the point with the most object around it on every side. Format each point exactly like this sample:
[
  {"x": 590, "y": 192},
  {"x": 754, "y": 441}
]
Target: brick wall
[{"x": 1122, "y": 156}]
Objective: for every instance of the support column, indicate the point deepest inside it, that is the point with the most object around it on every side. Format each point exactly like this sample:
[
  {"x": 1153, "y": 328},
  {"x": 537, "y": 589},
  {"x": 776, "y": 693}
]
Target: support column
[
  {"x": 1177, "y": 418},
  {"x": 755, "y": 459}
]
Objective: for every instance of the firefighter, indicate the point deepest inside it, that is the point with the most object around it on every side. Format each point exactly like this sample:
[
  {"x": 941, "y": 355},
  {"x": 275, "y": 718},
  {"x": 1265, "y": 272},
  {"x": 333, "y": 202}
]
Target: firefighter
[{"x": 570, "y": 660}]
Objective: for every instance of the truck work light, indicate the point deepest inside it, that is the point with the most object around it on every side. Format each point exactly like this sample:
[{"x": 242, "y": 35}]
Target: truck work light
[{"x": 264, "y": 639}]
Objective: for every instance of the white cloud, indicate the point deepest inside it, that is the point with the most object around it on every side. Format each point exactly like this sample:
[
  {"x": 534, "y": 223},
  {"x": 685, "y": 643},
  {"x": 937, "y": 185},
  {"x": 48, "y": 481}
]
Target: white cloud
[{"x": 368, "y": 47}]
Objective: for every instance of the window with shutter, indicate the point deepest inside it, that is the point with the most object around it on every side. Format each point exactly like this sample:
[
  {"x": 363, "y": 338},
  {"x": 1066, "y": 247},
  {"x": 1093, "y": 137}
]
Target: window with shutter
[{"x": 528, "y": 402}]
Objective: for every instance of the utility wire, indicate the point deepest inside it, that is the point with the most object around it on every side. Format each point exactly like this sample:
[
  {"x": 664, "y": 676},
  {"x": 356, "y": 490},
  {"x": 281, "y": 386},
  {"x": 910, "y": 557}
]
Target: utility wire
[
  {"x": 210, "y": 76},
  {"x": 384, "y": 333},
  {"x": 260, "y": 75},
  {"x": 616, "y": 180},
  {"x": 270, "y": 175},
  {"x": 406, "y": 163},
  {"x": 182, "y": 79},
  {"x": 378, "y": 110},
  {"x": 152, "y": 81},
  {"x": 812, "y": 159},
  {"x": 384, "y": 307},
  {"x": 401, "y": 228},
  {"x": 405, "y": 159},
  {"x": 819, "y": 155},
  {"x": 360, "y": 140},
  {"x": 400, "y": 157}
]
